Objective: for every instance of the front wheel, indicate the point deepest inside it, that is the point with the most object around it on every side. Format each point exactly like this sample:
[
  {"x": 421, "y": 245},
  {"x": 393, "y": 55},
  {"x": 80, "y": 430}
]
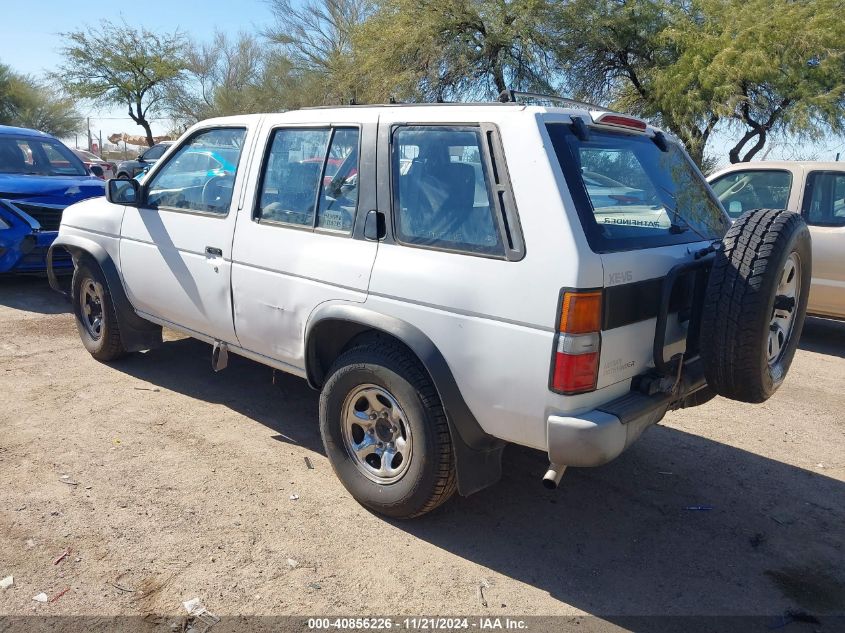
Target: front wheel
[
  {"x": 385, "y": 431},
  {"x": 95, "y": 316}
]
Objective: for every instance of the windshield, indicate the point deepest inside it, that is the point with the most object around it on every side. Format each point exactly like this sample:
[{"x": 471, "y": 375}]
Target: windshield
[
  {"x": 39, "y": 156},
  {"x": 630, "y": 194},
  {"x": 739, "y": 191}
]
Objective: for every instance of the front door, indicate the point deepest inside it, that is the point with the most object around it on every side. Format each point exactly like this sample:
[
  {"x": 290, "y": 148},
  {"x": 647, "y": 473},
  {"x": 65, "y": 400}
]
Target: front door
[
  {"x": 824, "y": 210},
  {"x": 175, "y": 250},
  {"x": 300, "y": 239}
]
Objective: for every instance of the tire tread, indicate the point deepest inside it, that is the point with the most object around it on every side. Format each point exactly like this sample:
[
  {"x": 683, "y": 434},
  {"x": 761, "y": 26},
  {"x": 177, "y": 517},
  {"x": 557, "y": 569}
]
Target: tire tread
[
  {"x": 734, "y": 308},
  {"x": 379, "y": 351}
]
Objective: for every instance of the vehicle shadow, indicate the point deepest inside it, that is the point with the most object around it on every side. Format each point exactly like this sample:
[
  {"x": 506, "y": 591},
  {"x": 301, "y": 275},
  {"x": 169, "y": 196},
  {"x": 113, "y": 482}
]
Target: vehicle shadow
[
  {"x": 279, "y": 401},
  {"x": 678, "y": 525},
  {"x": 33, "y": 294},
  {"x": 824, "y": 336}
]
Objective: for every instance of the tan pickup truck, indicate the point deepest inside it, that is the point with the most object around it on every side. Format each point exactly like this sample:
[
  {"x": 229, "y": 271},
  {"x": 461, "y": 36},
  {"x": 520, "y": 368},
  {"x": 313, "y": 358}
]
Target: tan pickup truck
[{"x": 814, "y": 189}]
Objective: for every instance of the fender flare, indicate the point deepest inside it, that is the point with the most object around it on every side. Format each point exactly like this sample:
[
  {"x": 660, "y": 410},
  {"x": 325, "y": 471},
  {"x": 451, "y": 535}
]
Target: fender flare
[
  {"x": 477, "y": 454},
  {"x": 135, "y": 333}
]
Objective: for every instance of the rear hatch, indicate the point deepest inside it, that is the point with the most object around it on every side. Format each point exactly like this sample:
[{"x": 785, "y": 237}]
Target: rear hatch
[{"x": 645, "y": 208}]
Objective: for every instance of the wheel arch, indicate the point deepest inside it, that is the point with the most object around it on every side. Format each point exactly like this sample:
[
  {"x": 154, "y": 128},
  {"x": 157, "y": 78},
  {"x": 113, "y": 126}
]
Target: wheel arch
[
  {"x": 330, "y": 330},
  {"x": 136, "y": 333}
]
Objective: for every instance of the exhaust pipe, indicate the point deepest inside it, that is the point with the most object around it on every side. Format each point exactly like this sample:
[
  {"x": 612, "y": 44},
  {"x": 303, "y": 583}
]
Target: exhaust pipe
[{"x": 551, "y": 479}]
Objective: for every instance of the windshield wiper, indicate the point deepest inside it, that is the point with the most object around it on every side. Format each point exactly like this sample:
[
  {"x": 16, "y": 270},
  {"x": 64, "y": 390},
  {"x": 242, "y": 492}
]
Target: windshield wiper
[{"x": 674, "y": 227}]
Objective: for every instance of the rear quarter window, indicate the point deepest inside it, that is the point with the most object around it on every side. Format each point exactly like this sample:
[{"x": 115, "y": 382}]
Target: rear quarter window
[{"x": 442, "y": 190}]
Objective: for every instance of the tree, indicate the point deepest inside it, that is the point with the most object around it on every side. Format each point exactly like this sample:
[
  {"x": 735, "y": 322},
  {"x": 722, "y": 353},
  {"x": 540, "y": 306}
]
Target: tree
[
  {"x": 25, "y": 102},
  {"x": 221, "y": 78},
  {"x": 316, "y": 39},
  {"x": 241, "y": 76},
  {"x": 615, "y": 51},
  {"x": 457, "y": 49},
  {"x": 745, "y": 61},
  {"x": 694, "y": 65},
  {"x": 120, "y": 65}
]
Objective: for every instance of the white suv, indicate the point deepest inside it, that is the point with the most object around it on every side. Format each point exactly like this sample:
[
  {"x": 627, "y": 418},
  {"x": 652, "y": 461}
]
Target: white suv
[{"x": 451, "y": 278}]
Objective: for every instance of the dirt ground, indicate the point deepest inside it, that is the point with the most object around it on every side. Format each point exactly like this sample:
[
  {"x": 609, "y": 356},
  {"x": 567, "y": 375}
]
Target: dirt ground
[{"x": 167, "y": 482}]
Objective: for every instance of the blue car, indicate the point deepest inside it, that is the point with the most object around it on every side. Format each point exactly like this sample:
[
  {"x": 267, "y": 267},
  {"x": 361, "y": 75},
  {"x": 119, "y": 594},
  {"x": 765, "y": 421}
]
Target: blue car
[{"x": 39, "y": 177}]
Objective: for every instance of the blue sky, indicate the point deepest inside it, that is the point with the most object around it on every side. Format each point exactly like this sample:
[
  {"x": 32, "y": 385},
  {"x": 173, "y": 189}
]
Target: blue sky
[{"x": 30, "y": 41}]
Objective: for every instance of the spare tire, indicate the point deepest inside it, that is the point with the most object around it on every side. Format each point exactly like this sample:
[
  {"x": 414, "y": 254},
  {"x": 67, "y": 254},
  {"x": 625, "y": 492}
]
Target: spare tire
[{"x": 755, "y": 304}]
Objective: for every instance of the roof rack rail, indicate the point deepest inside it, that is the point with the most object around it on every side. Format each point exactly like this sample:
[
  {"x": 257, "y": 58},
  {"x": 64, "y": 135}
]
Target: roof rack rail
[{"x": 511, "y": 96}]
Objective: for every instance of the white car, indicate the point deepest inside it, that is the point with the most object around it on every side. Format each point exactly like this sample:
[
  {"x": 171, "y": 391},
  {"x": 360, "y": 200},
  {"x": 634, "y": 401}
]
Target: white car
[
  {"x": 443, "y": 276},
  {"x": 90, "y": 159},
  {"x": 816, "y": 190}
]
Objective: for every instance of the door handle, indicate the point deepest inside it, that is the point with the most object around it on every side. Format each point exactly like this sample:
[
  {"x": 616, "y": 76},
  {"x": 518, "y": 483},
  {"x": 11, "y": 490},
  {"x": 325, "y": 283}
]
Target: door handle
[{"x": 213, "y": 250}]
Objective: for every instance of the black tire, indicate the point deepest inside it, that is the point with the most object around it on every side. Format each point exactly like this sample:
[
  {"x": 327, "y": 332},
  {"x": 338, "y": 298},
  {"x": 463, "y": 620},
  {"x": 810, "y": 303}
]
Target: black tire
[
  {"x": 739, "y": 309},
  {"x": 430, "y": 477},
  {"x": 105, "y": 346}
]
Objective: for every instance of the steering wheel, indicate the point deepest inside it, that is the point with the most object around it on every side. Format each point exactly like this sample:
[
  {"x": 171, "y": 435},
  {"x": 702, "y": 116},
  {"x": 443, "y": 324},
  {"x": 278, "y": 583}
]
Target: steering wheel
[
  {"x": 211, "y": 189},
  {"x": 735, "y": 188}
]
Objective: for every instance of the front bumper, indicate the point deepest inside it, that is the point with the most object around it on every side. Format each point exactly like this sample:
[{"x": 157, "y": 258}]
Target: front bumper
[
  {"x": 26, "y": 252},
  {"x": 598, "y": 436},
  {"x": 24, "y": 246}
]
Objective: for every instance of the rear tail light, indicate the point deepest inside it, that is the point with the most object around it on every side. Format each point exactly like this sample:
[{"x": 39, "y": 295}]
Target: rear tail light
[{"x": 577, "y": 344}]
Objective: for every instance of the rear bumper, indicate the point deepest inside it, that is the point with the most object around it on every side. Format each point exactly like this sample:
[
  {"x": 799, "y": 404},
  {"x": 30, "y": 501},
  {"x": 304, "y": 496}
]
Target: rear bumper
[{"x": 598, "y": 436}]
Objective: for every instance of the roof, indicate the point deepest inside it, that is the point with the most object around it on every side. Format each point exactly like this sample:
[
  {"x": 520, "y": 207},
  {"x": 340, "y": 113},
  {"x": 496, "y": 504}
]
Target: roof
[
  {"x": 790, "y": 165},
  {"x": 8, "y": 130},
  {"x": 428, "y": 113}
]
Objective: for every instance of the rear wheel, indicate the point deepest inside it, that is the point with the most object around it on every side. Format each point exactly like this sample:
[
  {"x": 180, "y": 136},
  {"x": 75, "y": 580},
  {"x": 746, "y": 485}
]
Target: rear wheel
[
  {"x": 756, "y": 304},
  {"x": 95, "y": 316},
  {"x": 385, "y": 431}
]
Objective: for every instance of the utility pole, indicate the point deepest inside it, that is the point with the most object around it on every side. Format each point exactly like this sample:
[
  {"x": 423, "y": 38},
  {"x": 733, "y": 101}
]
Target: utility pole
[
  {"x": 101, "y": 143},
  {"x": 89, "y": 133}
]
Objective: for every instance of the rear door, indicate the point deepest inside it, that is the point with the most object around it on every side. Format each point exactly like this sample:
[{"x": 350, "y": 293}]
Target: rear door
[
  {"x": 823, "y": 209},
  {"x": 176, "y": 249},
  {"x": 300, "y": 242},
  {"x": 645, "y": 209}
]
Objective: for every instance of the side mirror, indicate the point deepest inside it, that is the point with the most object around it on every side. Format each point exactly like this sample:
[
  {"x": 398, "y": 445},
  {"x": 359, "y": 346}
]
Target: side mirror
[
  {"x": 123, "y": 191},
  {"x": 97, "y": 171}
]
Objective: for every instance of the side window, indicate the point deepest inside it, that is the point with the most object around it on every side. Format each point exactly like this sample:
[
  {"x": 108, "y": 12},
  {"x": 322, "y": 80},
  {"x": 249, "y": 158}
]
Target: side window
[
  {"x": 442, "y": 190},
  {"x": 200, "y": 176},
  {"x": 58, "y": 164},
  {"x": 739, "y": 191},
  {"x": 339, "y": 191},
  {"x": 824, "y": 199},
  {"x": 155, "y": 152},
  {"x": 308, "y": 170}
]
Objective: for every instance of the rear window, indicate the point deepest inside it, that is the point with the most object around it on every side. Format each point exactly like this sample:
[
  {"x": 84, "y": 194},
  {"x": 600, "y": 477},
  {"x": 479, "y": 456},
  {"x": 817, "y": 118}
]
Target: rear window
[
  {"x": 630, "y": 195},
  {"x": 739, "y": 191}
]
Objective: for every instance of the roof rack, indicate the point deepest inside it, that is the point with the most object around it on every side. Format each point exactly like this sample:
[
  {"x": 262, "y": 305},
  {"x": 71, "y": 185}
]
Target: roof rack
[{"x": 511, "y": 96}]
